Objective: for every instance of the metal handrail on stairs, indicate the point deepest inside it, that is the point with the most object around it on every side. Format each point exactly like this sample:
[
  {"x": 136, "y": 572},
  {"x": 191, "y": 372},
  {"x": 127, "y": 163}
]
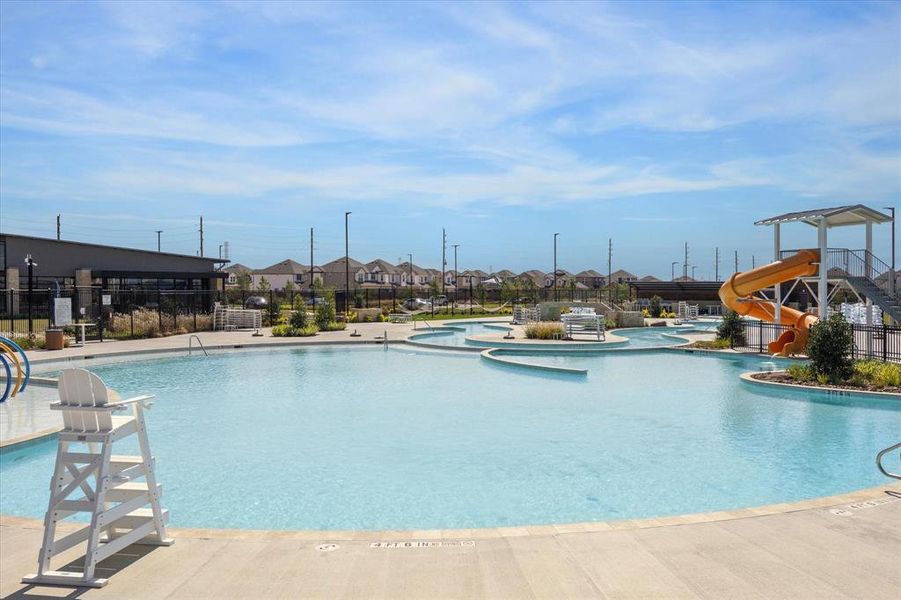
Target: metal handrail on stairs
[
  {"x": 879, "y": 461},
  {"x": 191, "y": 343}
]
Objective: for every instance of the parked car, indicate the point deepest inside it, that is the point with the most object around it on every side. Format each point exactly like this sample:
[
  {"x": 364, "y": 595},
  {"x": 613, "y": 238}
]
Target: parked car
[
  {"x": 257, "y": 302},
  {"x": 416, "y": 304},
  {"x": 315, "y": 301},
  {"x": 439, "y": 300}
]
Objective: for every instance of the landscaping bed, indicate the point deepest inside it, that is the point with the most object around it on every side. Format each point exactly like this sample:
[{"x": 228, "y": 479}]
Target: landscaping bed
[{"x": 850, "y": 386}]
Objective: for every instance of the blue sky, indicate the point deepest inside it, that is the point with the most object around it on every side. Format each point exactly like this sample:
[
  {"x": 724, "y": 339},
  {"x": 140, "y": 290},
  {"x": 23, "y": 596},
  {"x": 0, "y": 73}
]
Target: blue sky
[{"x": 651, "y": 123}]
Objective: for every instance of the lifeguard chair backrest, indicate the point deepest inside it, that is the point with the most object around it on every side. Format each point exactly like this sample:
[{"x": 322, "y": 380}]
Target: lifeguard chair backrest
[{"x": 79, "y": 387}]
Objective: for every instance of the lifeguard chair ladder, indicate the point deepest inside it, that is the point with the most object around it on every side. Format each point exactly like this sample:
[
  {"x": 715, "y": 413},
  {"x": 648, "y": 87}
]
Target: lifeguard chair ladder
[{"x": 116, "y": 502}]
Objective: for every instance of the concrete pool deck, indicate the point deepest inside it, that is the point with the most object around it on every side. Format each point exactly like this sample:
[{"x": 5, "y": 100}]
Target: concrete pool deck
[
  {"x": 840, "y": 547},
  {"x": 837, "y": 547}
]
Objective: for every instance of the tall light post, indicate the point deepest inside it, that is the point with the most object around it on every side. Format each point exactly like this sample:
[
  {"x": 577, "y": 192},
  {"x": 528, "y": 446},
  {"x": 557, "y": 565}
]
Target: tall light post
[
  {"x": 555, "y": 266},
  {"x": 693, "y": 267},
  {"x": 454, "y": 305},
  {"x": 411, "y": 281},
  {"x": 29, "y": 261},
  {"x": 672, "y": 270},
  {"x": 158, "y": 234},
  {"x": 892, "y": 208},
  {"x": 346, "y": 267}
]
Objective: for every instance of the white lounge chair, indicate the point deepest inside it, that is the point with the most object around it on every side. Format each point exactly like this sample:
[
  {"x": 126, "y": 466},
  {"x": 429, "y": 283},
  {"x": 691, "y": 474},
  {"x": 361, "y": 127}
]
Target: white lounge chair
[{"x": 116, "y": 502}]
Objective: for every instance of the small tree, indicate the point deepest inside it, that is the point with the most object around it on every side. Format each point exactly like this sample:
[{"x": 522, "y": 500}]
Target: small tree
[
  {"x": 325, "y": 310},
  {"x": 244, "y": 280},
  {"x": 289, "y": 287},
  {"x": 263, "y": 285},
  {"x": 299, "y": 318},
  {"x": 732, "y": 329},
  {"x": 434, "y": 287},
  {"x": 830, "y": 346},
  {"x": 656, "y": 306}
]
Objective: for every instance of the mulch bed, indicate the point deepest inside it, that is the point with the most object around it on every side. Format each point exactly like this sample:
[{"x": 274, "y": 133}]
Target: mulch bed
[{"x": 783, "y": 377}]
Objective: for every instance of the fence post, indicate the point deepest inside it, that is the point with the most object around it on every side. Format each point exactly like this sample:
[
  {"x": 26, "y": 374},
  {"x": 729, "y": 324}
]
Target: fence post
[
  {"x": 760, "y": 337},
  {"x": 884, "y": 343},
  {"x": 194, "y": 309},
  {"x": 159, "y": 309}
]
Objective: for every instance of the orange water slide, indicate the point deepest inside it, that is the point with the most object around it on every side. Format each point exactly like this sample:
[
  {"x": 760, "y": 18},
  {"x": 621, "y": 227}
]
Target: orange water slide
[{"x": 737, "y": 293}]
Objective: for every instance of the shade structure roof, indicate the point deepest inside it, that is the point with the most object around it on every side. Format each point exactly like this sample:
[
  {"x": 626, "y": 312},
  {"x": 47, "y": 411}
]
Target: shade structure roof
[
  {"x": 677, "y": 290},
  {"x": 838, "y": 216}
]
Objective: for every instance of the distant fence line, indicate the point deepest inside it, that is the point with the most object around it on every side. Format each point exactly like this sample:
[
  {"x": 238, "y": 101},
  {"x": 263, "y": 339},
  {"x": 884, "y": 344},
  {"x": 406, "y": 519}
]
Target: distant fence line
[{"x": 147, "y": 313}]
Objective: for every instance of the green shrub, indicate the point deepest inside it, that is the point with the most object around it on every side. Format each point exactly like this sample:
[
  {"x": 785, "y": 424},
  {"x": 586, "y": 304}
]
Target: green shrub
[
  {"x": 333, "y": 326},
  {"x": 731, "y": 329},
  {"x": 800, "y": 372},
  {"x": 876, "y": 373},
  {"x": 288, "y": 331},
  {"x": 299, "y": 319},
  {"x": 830, "y": 346},
  {"x": 656, "y": 307},
  {"x": 544, "y": 331},
  {"x": 325, "y": 310},
  {"x": 711, "y": 344}
]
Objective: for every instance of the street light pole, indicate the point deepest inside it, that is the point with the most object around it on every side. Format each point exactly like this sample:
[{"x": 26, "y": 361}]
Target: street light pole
[
  {"x": 346, "y": 267},
  {"x": 158, "y": 232},
  {"x": 555, "y": 266},
  {"x": 31, "y": 264},
  {"x": 693, "y": 267},
  {"x": 411, "y": 280},
  {"x": 672, "y": 270}
]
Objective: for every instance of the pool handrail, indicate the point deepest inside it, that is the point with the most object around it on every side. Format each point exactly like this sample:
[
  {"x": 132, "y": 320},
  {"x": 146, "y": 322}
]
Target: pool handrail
[
  {"x": 190, "y": 344},
  {"x": 882, "y": 453}
]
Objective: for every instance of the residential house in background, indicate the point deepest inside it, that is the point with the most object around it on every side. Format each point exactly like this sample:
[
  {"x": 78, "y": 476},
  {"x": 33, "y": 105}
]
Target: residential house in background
[
  {"x": 591, "y": 278},
  {"x": 504, "y": 275},
  {"x": 649, "y": 279},
  {"x": 333, "y": 273},
  {"x": 281, "y": 273},
  {"x": 533, "y": 278},
  {"x": 382, "y": 273},
  {"x": 233, "y": 271},
  {"x": 421, "y": 277},
  {"x": 622, "y": 276}
]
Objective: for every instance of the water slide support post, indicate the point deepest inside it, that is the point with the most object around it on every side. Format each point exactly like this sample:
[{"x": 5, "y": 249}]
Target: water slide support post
[
  {"x": 777, "y": 251},
  {"x": 823, "y": 281}
]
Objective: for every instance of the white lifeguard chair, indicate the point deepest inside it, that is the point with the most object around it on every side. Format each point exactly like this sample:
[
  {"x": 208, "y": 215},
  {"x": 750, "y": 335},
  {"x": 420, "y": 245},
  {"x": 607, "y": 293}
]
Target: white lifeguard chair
[{"x": 116, "y": 502}]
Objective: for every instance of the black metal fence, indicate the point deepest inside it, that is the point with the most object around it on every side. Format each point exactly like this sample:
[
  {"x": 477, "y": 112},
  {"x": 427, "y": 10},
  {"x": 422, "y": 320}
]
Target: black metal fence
[
  {"x": 870, "y": 341},
  {"x": 126, "y": 313}
]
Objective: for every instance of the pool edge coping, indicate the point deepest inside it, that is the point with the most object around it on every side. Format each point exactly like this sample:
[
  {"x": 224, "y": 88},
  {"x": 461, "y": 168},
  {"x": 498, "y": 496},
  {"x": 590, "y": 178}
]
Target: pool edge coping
[
  {"x": 482, "y": 533},
  {"x": 748, "y": 377}
]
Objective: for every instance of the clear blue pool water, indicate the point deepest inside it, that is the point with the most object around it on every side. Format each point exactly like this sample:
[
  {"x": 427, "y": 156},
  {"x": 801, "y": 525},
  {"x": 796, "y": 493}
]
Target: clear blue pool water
[{"x": 364, "y": 438}]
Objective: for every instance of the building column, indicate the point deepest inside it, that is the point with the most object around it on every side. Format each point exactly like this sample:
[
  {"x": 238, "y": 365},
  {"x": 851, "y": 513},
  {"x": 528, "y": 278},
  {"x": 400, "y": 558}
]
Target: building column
[
  {"x": 83, "y": 281},
  {"x": 777, "y": 251},
  {"x": 868, "y": 263},
  {"x": 823, "y": 281},
  {"x": 12, "y": 290}
]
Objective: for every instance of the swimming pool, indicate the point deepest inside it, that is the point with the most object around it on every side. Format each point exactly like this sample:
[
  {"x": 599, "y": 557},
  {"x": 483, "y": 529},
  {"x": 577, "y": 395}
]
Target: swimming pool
[{"x": 367, "y": 438}]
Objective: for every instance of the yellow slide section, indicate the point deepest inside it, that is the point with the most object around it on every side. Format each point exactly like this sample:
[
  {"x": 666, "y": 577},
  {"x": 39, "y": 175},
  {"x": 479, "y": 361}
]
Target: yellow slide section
[{"x": 737, "y": 295}]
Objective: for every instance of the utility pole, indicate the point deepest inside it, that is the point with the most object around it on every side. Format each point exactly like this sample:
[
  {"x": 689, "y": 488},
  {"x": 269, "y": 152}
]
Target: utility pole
[
  {"x": 454, "y": 305},
  {"x": 753, "y": 262},
  {"x": 736, "y": 261},
  {"x": 693, "y": 267},
  {"x": 31, "y": 265},
  {"x": 685, "y": 262},
  {"x": 158, "y": 232},
  {"x": 411, "y": 282},
  {"x": 311, "y": 267},
  {"x": 443, "y": 262},
  {"x": 672, "y": 270},
  {"x": 57, "y": 229},
  {"x": 555, "y": 266},
  {"x": 201, "y": 235},
  {"x": 610, "y": 271},
  {"x": 346, "y": 265},
  {"x": 717, "y": 263}
]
